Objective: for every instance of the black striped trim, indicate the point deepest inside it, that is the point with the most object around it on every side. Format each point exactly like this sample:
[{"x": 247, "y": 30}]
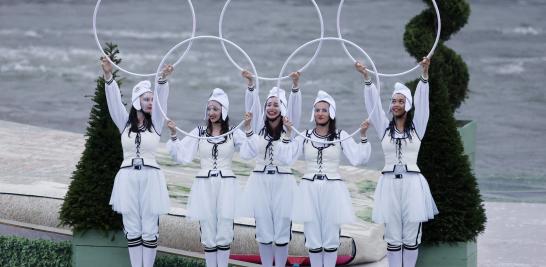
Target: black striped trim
[
  {"x": 286, "y": 141},
  {"x": 224, "y": 248},
  {"x": 249, "y": 134},
  {"x": 268, "y": 243},
  {"x": 368, "y": 82},
  {"x": 330, "y": 249},
  {"x": 418, "y": 233},
  {"x": 281, "y": 245},
  {"x": 162, "y": 82},
  {"x": 150, "y": 243},
  {"x": 315, "y": 250},
  {"x": 295, "y": 89},
  {"x": 423, "y": 79},
  {"x": 251, "y": 88},
  {"x": 391, "y": 247},
  {"x": 364, "y": 141},
  {"x": 134, "y": 242},
  {"x": 207, "y": 249},
  {"x": 411, "y": 247},
  {"x": 110, "y": 81}
]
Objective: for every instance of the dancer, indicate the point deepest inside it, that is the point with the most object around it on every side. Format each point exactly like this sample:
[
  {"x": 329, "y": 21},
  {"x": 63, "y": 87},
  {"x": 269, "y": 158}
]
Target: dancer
[
  {"x": 271, "y": 186},
  {"x": 215, "y": 193},
  {"x": 139, "y": 192},
  {"x": 325, "y": 203},
  {"x": 402, "y": 199}
]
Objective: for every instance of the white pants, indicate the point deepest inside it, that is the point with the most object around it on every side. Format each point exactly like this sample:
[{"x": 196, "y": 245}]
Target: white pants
[
  {"x": 321, "y": 233},
  {"x": 273, "y": 230},
  {"x": 216, "y": 233},
  {"x": 399, "y": 230},
  {"x": 139, "y": 220}
]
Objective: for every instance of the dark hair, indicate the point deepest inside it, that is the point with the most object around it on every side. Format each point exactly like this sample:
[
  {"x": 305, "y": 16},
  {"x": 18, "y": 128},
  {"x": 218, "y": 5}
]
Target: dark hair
[
  {"x": 332, "y": 130},
  {"x": 275, "y": 133},
  {"x": 224, "y": 125},
  {"x": 133, "y": 121},
  {"x": 408, "y": 125}
]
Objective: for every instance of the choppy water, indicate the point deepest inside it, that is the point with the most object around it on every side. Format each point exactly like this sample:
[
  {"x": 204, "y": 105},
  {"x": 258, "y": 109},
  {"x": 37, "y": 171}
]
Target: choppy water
[{"x": 48, "y": 63}]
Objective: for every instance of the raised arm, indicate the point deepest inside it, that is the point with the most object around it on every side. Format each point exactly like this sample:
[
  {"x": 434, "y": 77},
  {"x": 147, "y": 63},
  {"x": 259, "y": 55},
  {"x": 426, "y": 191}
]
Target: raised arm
[
  {"x": 182, "y": 151},
  {"x": 252, "y": 101},
  {"x": 290, "y": 149},
  {"x": 357, "y": 153},
  {"x": 294, "y": 101},
  {"x": 247, "y": 141},
  {"x": 161, "y": 98},
  {"x": 372, "y": 100},
  {"x": 421, "y": 99},
  {"x": 117, "y": 110}
]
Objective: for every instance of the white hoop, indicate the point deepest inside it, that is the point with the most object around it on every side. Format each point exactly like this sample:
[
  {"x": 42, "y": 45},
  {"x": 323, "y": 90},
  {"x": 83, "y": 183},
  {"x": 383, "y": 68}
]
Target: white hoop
[
  {"x": 438, "y": 31},
  {"x": 134, "y": 73},
  {"x": 256, "y": 90},
  {"x": 220, "y": 33},
  {"x": 343, "y": 41}
]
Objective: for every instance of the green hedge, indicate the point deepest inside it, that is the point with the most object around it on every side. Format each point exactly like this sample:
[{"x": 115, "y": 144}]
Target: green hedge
[
  {"x": 17, "y": 251},
  {"x": 441, "y": 158}
]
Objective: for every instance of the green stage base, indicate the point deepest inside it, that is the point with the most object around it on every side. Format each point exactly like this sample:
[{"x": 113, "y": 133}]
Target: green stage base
[
  {"x": 462, "y": 254},
  {"x": 95, "y": 248}
]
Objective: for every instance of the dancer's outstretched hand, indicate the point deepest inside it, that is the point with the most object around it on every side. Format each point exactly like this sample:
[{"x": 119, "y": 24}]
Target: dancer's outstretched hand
[
  {"x": 362, "y": 69},
  {"x": 248, "y": 120},
  {"x": 286, "y": 122},
  {"x": 172, "y": 126},
  {"x": 295, "y": 79},
  {"x": 249, "y": 77},
  {"x": 166, "y": 71},
  {"x": 106, "y": 67},
  {"x": 425, "y": 64},
  {"x": 364, "y": 128}
]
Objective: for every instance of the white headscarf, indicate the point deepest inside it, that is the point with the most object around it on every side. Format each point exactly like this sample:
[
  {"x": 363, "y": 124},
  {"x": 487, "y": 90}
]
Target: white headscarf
[
  {"x": 323, "y": 96},
  {"x": 221, "y": 97},
  {"x": 405, "y": 91},
  {"x": 140, "y": 88},
  {"x": 281, "y": 94}
]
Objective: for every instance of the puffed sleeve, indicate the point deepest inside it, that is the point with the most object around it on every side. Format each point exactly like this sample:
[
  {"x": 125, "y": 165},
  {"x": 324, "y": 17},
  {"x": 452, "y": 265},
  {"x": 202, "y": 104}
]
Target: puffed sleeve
[
  {"x": 357, "y": 153},
  {"x": 374, "y": 108},
  {"x": 117, "y": 110},
  {"x": 294, "y": 108},
  {"x": 160, "y": 99},
  {"x": 246, "y": 142},
  {"x": 184, "y": 151},
  {"x": 290, "y": 150},
  {"x": 422, "y": 109},
  {"x": 253, "y": 105}
]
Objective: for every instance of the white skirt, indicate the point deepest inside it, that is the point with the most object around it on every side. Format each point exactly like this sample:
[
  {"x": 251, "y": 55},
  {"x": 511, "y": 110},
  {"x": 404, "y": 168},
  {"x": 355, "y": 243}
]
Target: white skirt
[
  {"x": 266, "y": 191},
  {"x": 411, "y": 191},
  {"x": 146, "y": 185},
  {"x": 215, "y": 198},
  {"x": 325, "y": 201}
]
